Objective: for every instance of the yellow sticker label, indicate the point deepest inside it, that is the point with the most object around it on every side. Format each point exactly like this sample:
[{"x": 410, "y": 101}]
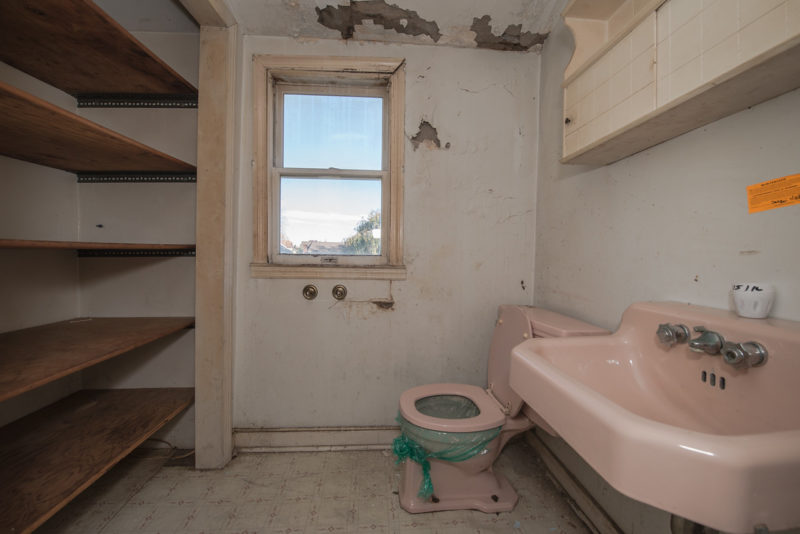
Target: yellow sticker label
[{"x": 773, "y": 194}]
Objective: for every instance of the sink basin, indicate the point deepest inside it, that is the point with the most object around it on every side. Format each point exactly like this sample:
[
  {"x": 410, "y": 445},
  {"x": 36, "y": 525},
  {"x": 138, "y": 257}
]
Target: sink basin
[{"x": 680, "y": 430}]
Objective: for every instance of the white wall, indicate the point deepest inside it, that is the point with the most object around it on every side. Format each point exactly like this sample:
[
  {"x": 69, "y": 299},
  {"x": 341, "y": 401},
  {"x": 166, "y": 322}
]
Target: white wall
[
  {"x": 468, "y": 247},
  {"x": 669, "y": 223}
]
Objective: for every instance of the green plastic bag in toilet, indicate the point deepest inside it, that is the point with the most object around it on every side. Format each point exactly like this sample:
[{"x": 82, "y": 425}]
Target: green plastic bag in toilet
[{"x": 419, "y": 444}]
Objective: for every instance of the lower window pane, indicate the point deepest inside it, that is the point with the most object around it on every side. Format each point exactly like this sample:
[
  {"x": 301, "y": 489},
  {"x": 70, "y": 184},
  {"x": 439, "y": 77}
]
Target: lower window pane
[{"x": 330, "y": 217}]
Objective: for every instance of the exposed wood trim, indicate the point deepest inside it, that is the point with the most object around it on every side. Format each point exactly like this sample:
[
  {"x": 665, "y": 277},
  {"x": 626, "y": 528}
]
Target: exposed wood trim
[
  {"x": 49, "y": 457},
  {"x": 215, "y": 247},
  {"x": 397, "y": 141},
  {"x": 327, "y": 63},
  {"x": 591, "y": 509},
  {"x": 89, "y": 245},
  {"x": 328, "y": 272},
  {"x": 75, "y": 46},
  {"x": 262, "y": 119},
  {"x": 35, "y": 130},
  {"x": 36, "y": 356},
  {"x": 264, "y": 67},
  {"x": 212, "y": 13}
]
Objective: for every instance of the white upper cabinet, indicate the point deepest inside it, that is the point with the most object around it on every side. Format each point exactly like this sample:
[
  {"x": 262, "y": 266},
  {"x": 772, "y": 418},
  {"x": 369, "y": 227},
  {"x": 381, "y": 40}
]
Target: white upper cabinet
[{"x": 646, "y": 71}]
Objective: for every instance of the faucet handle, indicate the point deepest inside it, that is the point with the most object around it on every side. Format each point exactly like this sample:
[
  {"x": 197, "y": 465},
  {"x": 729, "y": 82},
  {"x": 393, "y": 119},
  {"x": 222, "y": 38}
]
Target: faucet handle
[
  {"x": 669, "y": 334},
  {"x": 699, "y": 329},
  {"x": 747, "y": 354}
]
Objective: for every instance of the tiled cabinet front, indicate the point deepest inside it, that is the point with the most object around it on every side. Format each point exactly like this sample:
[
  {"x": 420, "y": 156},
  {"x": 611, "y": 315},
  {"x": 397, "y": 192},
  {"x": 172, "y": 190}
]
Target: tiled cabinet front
[
  {"x": 678, "y": 51},
  {"x": 700, "y": 41},
  {"x": 616, "y": 90}
]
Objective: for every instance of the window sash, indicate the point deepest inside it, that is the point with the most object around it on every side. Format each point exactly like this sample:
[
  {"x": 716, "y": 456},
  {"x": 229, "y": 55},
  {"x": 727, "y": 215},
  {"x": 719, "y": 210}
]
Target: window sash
[
  {"x": 283, "y": 88},
  {"x": 302, "y": 259},
  {"x": 359, "y": 71}
]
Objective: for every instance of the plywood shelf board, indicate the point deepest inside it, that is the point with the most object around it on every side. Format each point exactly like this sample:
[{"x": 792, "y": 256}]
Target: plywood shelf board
[
  {"x": 90, "y": 245},
  {"x": 49, "y": 457},
  {"x": 75, "y": 46},
  {"x": 35, "y": 356},
  {"x": 35, "y": 130}
]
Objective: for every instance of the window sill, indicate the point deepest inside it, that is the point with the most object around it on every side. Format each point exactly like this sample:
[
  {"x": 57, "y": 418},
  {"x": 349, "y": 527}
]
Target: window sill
[{"x": 326, "y": 272}]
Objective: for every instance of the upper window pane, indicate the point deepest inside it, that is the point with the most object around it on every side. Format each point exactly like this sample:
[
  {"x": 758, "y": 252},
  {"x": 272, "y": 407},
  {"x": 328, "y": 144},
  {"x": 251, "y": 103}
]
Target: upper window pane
[{"x": 342, "y": 132}]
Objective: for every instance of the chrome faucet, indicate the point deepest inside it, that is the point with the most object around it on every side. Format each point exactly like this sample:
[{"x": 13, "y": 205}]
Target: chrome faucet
[{"x": 708, "y": 341}]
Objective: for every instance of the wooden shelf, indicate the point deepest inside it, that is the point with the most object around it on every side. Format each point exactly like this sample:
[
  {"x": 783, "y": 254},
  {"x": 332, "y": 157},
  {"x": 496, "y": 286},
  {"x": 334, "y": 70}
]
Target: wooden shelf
[
  {"x": 49, "y": 457},
  {"x": 35, "y": 130},
  {"x": 75, "y": 46},
  {"x": 90, "y": 245},
  {"x": 35, "y": 356}
]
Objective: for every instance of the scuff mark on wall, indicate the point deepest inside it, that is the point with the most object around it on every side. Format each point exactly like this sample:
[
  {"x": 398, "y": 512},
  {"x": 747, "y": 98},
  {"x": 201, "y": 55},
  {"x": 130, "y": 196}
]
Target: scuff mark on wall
[
  {"x": 391, "y": 16},
  {"x": 428, "y": 136},
  {"x": 384, "y": 304},
  {"x": 513, "y": 38}
]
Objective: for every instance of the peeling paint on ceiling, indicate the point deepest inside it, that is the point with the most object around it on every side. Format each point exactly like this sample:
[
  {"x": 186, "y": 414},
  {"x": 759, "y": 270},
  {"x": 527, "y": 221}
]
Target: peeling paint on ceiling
[
  {"x": 513, "y": 38},
  {"x": 392, "y": 17},
  {"x": 519, "y": 25}
]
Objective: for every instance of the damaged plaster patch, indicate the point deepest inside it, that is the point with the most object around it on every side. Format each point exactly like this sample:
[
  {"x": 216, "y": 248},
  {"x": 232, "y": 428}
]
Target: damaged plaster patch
[
  {"x": 392, "y": 17},
  {"x": 513, "y": 38},
  {"x": 428, "y": 136}
]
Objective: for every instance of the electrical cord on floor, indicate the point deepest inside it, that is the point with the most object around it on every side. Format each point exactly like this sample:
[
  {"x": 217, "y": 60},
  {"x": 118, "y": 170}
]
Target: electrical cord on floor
[
  {"x": 172, "y": 450},
  {"x": 182, "y": 456}
]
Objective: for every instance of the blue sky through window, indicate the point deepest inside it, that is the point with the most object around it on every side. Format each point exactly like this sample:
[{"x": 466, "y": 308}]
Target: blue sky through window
[
  {"x": 342, "y": 132},
  {"x": 324, "y": 209}
]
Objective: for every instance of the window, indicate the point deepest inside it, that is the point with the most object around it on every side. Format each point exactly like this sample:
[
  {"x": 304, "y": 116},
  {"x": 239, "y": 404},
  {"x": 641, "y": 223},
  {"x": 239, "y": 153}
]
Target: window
[{"x": 328, "y": 181}]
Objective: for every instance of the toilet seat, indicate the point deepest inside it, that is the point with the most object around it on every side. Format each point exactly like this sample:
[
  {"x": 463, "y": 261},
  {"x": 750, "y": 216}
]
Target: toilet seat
[{"x": 490, "y": 416}]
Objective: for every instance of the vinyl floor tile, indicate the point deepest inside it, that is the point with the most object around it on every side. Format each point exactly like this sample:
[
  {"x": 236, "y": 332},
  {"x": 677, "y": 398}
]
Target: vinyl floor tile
[{"x": 290, "y": 493}]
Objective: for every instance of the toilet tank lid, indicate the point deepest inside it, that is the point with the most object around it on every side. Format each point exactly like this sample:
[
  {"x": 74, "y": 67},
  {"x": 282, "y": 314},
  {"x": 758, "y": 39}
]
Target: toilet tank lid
[{"x": 546, "y": 323}]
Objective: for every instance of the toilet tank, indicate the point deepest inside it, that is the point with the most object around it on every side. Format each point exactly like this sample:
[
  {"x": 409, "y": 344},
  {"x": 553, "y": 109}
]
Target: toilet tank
[
  {"x": 545, "y": 323},
  {"x": 514, "y": 325}
]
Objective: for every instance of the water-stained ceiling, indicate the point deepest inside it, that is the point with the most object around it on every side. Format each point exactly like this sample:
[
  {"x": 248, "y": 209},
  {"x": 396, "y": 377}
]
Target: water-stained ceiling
[
  {"x": 516, "y": 25},
  {"x": 495, "y": 24}
]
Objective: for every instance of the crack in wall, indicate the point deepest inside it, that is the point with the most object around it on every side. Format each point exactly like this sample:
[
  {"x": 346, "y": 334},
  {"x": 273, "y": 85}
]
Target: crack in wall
[
  {"x": 391, "y": 16},
  {"x": 513, "y": 38}
]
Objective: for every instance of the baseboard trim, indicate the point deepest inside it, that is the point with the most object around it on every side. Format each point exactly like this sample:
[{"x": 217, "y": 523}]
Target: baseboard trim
[
  {"x": 593, "y": 513},
  {"x": 316, "y": 439}
]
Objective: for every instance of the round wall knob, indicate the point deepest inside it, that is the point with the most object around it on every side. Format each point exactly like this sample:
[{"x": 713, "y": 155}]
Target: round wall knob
[
  {"x": 339, "y": 292},
  {"x": 310, "y": 292}
]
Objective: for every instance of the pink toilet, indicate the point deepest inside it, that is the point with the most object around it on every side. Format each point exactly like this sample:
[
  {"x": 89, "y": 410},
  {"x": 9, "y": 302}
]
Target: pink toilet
[{"x": 456, "y": 431}]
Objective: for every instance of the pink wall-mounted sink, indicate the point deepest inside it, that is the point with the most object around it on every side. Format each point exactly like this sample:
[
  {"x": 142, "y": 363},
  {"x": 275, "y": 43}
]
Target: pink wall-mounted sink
[{"x": 681, "y": 430}]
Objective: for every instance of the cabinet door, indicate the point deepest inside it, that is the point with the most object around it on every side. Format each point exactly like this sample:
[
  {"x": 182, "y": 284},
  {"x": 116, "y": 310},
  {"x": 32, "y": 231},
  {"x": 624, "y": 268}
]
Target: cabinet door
[
  {"x": 699, "y": 43},
  {"x": 614, "y": 91}
]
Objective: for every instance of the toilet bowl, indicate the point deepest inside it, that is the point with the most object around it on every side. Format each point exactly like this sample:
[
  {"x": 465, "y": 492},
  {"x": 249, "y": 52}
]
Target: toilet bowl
[{"x": 451, "y": 434}]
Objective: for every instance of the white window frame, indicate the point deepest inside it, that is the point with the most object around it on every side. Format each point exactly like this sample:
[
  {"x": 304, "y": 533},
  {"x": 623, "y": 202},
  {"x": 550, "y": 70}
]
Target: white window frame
[{"x": 272, "y": 77}]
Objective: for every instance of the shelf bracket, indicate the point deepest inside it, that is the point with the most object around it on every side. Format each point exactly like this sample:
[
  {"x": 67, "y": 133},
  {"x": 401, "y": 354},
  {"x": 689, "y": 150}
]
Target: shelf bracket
[
  {"x": 137, "y": 177},
  {"x": 104, "y": 100},
  {"x": 133, "y": 253}
]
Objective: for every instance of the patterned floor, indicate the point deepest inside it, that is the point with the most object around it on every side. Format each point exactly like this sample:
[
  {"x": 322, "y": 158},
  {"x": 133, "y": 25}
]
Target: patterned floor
[{"x": 300, "y": 492}]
